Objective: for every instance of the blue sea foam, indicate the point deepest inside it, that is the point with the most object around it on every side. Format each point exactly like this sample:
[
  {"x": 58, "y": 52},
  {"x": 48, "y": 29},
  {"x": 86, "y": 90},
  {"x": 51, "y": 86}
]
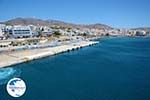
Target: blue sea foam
[{"x": 7, "y": 73}]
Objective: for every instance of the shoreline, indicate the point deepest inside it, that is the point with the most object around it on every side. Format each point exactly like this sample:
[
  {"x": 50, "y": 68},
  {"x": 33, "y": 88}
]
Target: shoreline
[{"x": 18, "y": 57}]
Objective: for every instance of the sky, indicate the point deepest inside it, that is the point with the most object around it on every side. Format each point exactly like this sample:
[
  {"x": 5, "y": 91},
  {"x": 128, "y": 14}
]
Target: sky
[{"x": 116, "y": 13}]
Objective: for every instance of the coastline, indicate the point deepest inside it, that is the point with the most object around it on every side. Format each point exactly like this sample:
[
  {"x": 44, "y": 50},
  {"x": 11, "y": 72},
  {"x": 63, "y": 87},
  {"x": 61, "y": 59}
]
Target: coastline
[{"x": 13, "y": 58}]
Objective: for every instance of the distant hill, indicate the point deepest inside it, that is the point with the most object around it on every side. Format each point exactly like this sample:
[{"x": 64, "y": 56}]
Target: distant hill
[
  {"x": 26, "y": 21},
  {"x": 142, "y": 28},
  {"x": 98, "y": 26},
  {"x": 40, "y": 22}
]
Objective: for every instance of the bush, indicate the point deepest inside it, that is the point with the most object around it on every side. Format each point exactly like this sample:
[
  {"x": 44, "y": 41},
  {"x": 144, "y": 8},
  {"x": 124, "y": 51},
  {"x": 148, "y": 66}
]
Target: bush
[{"x": 57, "y": 33}]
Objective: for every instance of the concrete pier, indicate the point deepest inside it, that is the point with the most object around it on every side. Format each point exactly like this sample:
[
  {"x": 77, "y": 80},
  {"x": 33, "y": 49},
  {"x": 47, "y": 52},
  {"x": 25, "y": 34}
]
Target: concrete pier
[{"x": 17, "y": 57}]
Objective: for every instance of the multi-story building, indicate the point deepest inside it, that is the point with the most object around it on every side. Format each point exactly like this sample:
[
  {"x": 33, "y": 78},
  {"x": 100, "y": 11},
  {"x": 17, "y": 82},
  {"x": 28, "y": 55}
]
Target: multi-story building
[
  {"x": 140, "y": 33},
  {"x": 47, "y": 31},
  {"x": 20, "y": 32}
]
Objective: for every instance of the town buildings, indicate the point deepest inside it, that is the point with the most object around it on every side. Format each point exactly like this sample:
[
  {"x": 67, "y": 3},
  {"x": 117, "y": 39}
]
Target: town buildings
[{"x": 20, "y": 32}]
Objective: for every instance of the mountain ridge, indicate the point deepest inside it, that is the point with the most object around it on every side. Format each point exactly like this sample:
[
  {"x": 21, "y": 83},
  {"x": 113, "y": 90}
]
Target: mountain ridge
[{"x": 50, "y": 22}]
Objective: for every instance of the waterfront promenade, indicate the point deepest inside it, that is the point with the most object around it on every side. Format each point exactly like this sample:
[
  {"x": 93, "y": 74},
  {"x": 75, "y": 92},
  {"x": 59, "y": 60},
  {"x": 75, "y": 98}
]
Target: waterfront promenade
[{"x": 17, "y": 57}]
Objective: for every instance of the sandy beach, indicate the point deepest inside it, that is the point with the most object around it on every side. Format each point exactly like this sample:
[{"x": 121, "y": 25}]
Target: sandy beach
[{"x": 17, "y": 57}]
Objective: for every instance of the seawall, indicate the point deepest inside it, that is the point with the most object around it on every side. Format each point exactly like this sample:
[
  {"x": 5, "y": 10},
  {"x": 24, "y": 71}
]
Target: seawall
[{"x": 13, "y": 58}]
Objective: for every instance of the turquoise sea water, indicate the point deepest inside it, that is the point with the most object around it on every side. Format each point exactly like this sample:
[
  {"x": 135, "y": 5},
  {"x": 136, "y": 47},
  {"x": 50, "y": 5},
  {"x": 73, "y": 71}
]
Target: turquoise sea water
[{"x": 115, "y": 69}]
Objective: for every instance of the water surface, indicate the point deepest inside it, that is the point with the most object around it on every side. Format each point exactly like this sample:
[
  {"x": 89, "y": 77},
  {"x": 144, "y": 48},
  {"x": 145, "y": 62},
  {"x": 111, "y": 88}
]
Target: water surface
[{"x": 115, "y": 69}]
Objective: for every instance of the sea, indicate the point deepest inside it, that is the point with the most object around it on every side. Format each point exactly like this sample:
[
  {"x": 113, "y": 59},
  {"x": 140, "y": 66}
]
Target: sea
[{"x": 118, "y": 68}]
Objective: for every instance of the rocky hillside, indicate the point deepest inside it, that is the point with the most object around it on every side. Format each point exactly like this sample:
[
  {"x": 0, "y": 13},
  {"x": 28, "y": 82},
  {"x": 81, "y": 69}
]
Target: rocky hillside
[
  {"x": 40, "y": 22},
  {"x": 26, "y": 21}
]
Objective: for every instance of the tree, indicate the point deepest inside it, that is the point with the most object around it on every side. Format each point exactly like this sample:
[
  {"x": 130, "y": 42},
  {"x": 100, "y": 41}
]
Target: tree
[
  {"x": 107, "y": 34},
  {"x": 84, "y": 34},
  {"x": 42, "y": 29},
  {"x": 57, "y": 33},
  {"x": 40, "y": 33},
  {"x": 8, "y": 24}
]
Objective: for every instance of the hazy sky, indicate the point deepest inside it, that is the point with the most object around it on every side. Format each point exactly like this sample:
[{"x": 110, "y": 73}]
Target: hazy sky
[{"x": 117, "y": 13}]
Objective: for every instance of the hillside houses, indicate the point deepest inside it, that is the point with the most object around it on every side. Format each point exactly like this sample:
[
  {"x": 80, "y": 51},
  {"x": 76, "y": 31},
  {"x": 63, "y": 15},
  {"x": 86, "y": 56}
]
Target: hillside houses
[{"x": 29, "y": 31}]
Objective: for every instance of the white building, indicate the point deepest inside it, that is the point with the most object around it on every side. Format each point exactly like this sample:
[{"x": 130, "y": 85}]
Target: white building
[
  {"x": 20, "y": 31},
  {"x": 1, "y": 33},
  {"x": 2, "y": 26},
  {"x": 47, "y": 31},
  {"x": 140, "y": 33}
]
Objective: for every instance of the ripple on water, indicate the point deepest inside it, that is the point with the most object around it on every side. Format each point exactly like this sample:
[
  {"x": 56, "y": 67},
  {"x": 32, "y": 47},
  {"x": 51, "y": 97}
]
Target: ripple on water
[{"x": 8, "y": 73}]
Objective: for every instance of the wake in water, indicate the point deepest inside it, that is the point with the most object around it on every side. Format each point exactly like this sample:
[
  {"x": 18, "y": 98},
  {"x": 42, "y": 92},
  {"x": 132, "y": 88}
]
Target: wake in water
[{"x": 7, "y": 73}]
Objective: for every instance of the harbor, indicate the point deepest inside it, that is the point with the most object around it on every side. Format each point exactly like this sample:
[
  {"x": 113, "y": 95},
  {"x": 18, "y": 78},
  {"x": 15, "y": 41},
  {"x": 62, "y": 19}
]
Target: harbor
[
  {"x": 17, "y": 57},
  {"x": 91, "y": 70}
]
